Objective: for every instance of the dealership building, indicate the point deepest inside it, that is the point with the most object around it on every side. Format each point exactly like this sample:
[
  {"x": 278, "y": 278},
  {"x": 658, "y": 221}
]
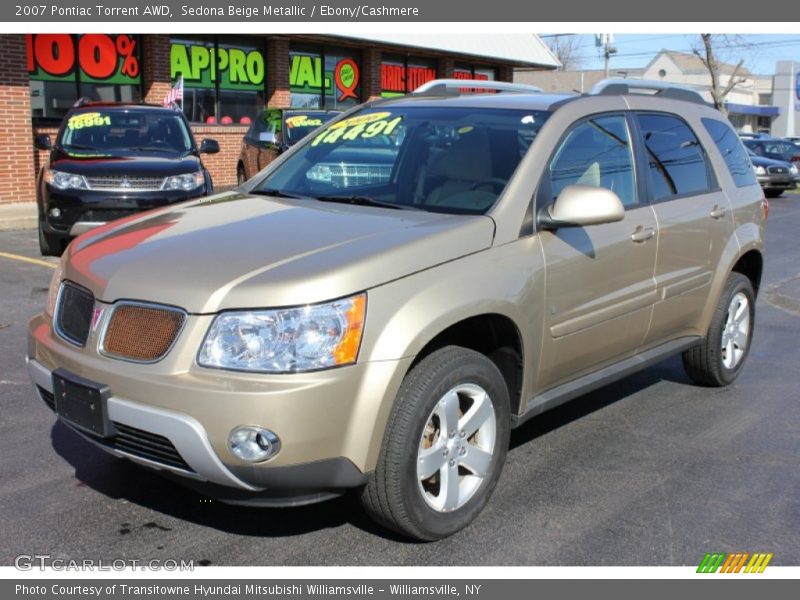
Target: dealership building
[{"x": 227, "y": 80}]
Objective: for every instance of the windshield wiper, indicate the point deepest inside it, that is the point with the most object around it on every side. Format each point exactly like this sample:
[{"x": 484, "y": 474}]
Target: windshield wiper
[
  {"x": 152, "y": 149},
  {"x": 365, "y": 201},
  {"x": 79, "y": 147},
  {"x": 273, "y": 193}
]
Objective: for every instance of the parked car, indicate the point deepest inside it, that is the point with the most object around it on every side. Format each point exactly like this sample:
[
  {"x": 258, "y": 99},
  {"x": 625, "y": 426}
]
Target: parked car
[
  {"x": 774, "y": 148},
  {"x": 773, "y": 175},
  {"x": 301, "y": 336},
  {"x": 273, "y": 132},
  {"x": 112, "y": 160}
]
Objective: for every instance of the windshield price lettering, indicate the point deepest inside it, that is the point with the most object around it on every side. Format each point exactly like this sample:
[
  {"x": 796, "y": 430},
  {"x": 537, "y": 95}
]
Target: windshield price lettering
[{"x": 363, "y": 130}]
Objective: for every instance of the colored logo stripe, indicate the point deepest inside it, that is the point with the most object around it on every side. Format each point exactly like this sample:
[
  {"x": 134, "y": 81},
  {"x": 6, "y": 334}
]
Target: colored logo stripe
[{"x": 733, "y": 563}]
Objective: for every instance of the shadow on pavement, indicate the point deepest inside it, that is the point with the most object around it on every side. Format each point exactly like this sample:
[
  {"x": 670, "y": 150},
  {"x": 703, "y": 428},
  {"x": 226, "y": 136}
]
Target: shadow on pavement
[{"x": 120, "y": 479}]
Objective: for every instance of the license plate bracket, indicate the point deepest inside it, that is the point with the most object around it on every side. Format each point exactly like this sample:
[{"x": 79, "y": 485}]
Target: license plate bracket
[{"x": 82, "y": 403}]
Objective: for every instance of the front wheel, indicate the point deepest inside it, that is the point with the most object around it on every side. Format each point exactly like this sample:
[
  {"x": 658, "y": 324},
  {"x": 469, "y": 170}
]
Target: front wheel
[
  {"x": 444, "y": 446},
  {"x": 719, "y": 358}
]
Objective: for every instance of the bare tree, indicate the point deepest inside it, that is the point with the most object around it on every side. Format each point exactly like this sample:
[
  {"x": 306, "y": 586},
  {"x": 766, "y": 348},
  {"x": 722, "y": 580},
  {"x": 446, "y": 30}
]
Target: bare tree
[
  {"x": 708, "y": 51},
  {"x": 567, "y": 48}
]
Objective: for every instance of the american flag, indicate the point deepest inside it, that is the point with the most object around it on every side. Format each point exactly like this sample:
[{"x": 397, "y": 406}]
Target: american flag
[{"x": 175, "y": 94}]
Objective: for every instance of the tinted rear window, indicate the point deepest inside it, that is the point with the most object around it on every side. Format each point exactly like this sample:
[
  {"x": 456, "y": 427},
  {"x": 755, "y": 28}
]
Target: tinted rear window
[
  {"x": 676, "y": 158},
  {"x": 732, "y": 151}
]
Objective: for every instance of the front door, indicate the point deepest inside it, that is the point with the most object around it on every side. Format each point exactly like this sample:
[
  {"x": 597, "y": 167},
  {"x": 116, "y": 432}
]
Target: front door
[{"x": 599, "y": 285}]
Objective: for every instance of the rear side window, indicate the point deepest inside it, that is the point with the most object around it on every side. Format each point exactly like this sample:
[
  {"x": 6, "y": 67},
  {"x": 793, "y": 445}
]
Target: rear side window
[
  {"x": 732, "y": 151},
  {"x": 677, "y": 162}
]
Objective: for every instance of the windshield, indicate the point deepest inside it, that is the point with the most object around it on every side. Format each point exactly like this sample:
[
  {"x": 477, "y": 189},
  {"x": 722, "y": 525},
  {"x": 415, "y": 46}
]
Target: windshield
[
  {"x": 455, "y": 160},
  {"x": 300, "y": 125},
  {"x": 126, "y": 130}
]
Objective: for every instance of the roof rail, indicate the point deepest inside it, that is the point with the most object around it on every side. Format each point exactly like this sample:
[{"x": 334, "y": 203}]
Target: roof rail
[
  {"x": 618, "y": 86},
  {"x": 81, "y": 101},
  {"x": 438, "y": 86}
]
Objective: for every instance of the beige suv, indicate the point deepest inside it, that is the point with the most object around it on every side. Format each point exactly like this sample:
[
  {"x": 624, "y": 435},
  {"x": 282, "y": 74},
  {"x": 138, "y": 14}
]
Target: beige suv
[{"x": 387, "y": 300}]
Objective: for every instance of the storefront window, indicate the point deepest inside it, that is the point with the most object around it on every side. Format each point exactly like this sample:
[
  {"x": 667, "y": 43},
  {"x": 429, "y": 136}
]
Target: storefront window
[
  {"x": 63, "y": 68},
  {"x": 401, "y": 75},
  {"x": 324, "y": 78},
  {"x": 463, "y": 71},
  {"x": 224, "y": 82}
]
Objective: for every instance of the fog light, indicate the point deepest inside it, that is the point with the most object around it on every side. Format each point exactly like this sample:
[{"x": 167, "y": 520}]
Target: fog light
[
  {"x": 55, "y": 212},
  {"x": 253, "y": 444}
]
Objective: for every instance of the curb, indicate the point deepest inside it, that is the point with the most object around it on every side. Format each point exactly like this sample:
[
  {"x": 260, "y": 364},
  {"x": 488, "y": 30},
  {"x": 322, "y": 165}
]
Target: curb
[{"x": 18, "y": 215}]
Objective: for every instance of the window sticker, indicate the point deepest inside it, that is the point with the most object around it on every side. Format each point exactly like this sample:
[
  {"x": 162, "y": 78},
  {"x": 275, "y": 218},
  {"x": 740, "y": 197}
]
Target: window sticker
[
  {"x": 360, "y": 127},
  {"x": 86, "y": 120},
  {"x": 303, "y": 121}
]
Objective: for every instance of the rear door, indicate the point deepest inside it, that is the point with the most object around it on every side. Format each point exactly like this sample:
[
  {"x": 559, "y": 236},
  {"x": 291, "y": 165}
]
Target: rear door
[
  {"x": 599, "y": 286},
  {"x": 694, "y": 221}
]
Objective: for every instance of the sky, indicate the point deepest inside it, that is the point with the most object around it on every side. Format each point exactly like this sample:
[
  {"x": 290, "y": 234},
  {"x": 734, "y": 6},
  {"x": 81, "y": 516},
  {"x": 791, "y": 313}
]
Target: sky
[{"x": 635, "y": 50}]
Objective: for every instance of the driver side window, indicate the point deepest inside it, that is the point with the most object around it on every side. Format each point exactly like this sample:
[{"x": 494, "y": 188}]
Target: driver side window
[{"x": 597, "y": 153}]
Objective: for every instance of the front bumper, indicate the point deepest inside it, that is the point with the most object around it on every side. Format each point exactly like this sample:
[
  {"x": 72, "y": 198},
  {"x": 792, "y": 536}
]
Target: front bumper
[
  {"x": 777, "y": 182},
  {"x": 83, "y": 210},
  {"x": 329, "y": 422}
]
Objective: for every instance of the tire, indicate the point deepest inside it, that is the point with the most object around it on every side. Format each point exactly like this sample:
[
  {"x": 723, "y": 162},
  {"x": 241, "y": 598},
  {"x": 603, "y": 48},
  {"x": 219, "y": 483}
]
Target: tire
[
  {"x": 50, "y": 245},
  {"x": 423, "y": 506},
  {"x": 241, "y": 177},
  {"x": 719, "y": 358},
  {"x": 773, "y": 193}
]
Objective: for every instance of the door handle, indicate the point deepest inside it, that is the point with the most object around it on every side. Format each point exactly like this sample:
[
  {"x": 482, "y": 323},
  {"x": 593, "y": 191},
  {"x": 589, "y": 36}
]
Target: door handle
[
  {"x": 717, "y": 212},
  {"x": 642, "y": 234}
]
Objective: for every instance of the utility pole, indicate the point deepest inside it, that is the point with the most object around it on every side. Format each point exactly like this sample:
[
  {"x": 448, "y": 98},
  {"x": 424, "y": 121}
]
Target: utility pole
[{"x": 605, "y": 41}]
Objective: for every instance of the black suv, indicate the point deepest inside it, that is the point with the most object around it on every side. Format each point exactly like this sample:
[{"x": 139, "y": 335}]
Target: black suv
[
  {"x": 112, "y": 160},
  {"x": 273, "y": 132}
]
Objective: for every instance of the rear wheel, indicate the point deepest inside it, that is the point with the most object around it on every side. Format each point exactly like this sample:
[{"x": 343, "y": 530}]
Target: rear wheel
[
  {"x": 50, "y": 245},
  {"x": 720, "y": 357},
  {"x": 772, "y": 193},
  {"x": 444, "y": 446},
  {"x": 241, "y": 177}
]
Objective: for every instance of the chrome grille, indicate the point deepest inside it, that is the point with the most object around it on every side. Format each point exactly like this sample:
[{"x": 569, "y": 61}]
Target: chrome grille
[
  {"x": 125, "y": 183},
  {"x": 74, "y": 309},
  {"x": 778, "y": 170}
]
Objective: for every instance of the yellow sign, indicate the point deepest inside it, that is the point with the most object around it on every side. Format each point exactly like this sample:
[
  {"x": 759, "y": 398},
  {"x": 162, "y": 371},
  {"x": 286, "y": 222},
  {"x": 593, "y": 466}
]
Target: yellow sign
[
  {"x": 361, "y": 127},
  {"x": 302, "y": 121},
  {"x": 84, "y": 120}
]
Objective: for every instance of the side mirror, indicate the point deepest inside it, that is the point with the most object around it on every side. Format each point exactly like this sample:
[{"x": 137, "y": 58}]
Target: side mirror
[
  {"x": 582, "y": 205},
  {"x": 268, "y": 137},
  {"x": 209, "y": 146},
  {"x": 42, "y": 142}
]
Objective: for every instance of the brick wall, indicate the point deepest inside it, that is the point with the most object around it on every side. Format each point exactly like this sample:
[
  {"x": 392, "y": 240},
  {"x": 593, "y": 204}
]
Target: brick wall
[
  {"x": 222, "y": 166},
  {"x": 371, "y": 74},
  {"x": 278, "y": 66},
  {"x": 155, "y": 67},
  {"x": 16, "y": 133}
]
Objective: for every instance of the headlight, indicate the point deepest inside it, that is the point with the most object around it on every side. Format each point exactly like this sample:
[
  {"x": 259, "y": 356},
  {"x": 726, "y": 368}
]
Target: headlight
[
  {"x": 286, "y": 340},
  {"x": 186, "y": 182},
  {"x": 52, "y": 292},
  {"x": 760, "y": 171},
  {"x": 65, "y": 181}
]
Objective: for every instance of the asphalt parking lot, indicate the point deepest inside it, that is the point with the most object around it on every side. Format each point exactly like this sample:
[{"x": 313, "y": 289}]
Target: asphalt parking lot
[{"x": 649, "y": 471}]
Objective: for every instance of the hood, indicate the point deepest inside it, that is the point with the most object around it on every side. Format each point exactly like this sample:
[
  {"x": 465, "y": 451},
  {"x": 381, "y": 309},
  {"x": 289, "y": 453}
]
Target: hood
[
  {"x": 162, "y": 165},
  {"x": 239, "y": 251},
  {"x": 760, "y": 161}
]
